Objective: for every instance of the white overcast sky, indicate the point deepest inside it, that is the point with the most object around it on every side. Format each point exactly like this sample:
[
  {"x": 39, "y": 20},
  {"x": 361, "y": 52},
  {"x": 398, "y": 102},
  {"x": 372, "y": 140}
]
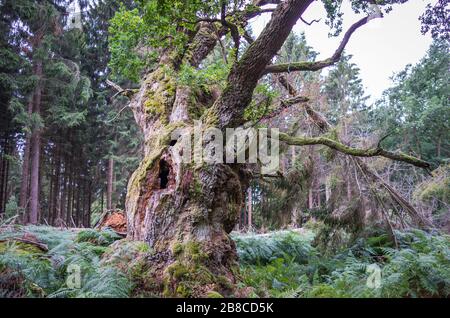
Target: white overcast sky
[{"x": 380, "y": 48}]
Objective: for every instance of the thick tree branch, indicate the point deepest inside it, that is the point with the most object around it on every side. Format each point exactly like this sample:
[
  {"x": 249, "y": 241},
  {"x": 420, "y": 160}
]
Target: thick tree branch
[
  {"x": 203, "y": 43},
  {"x": 260, "y": 3},
  {"x": 315, "y": 66},
  {"x": 244, "y": 76},
  {"x": 372, "y": 152}
]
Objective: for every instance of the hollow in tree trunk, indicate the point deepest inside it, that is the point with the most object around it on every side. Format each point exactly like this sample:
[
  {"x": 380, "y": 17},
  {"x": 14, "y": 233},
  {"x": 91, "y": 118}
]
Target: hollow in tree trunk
[{"x": 185, "y": 211}]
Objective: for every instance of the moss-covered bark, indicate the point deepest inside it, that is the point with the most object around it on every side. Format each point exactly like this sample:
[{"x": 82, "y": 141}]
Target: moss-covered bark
[{"x": 186, "y": 217}]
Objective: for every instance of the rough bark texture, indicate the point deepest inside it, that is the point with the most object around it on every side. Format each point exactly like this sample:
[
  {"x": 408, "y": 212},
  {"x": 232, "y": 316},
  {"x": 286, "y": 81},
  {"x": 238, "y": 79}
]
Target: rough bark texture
[
  {"x": 25, "y": 180},
  {"x": 183, "y": 210},
  {"x": 35, "y": 151},
  {"x": 109, "y": 190}
]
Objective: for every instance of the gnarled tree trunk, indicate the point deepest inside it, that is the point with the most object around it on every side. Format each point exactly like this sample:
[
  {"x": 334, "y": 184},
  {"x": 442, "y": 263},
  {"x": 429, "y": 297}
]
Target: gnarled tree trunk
[{"x": 185, "y": 211}]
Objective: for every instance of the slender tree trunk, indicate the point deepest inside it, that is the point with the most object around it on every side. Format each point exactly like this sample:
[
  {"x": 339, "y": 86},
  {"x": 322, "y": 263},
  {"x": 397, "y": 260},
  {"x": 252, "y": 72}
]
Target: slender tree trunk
[
  {"x": 319, "y": 199},
  {"x": 310, "y": 199},
  {"x": 35, "y": 152},
  {"x": 63, "y": 194},
  {"x": 69, "y": 193},
  {"x": 102, "y": 199},
  {"x": 114, "y": 197},
  {"x": 249, "y": 207},
  {"x": 6, "y": 175},
  {"x": 77, "y": 203},
  {"x": 51, "y": 190},
  {"x": 349, "y": 185},
  {"x": 110, "y": 181},
  {"x": 327, "y": 190},
  {"x": 89, "y": 203},
  {"x": 56, "y": 185},
  {"x": 2, "y": 168},
  {"x": 438, "y": 147},
  {"x": 25, "y": 180},
  {"x": 238, "y": 225},
  {"x": 73, "y": 196},
  {"x": 3, "y": 174}
]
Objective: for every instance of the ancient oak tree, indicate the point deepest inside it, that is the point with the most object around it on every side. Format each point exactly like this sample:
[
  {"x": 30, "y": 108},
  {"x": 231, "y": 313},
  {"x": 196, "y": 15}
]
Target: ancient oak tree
[{"x": 185, "y": 211}]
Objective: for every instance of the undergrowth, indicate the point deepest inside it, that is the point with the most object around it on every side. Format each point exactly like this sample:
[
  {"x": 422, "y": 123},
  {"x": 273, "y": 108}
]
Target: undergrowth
[
  {"x": 279, "y": 264},
  {"x": 26, "y": 270},
  {"x": 372, "y": 267}
]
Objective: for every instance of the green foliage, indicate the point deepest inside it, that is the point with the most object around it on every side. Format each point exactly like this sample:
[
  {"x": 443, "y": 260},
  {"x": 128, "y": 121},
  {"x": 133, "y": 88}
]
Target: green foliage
[
  {"x": 126, "y": 31},
  {"x": 155, "y": 24},
  {"x": 261, "y": 105},
  {"x": 435, "y": 20},
  {"x": 281, "y": 264},
  {"x": 45, "y": 274},
  {"x": 102, "y": 238},
  {"x": 420, "y": 268},
  {"x": 12, "y": 208},
  {"x": 262, "y": 249},
  {"x": 418, "y": 106},
  {"x": 344, "y": 89},
  {"x": 28, "y": 265},
  {"x": 435, "y": 193},
  {"x": 279, "y": 278},
  {"x": 202, "y": 79},
  {"x": 335, "y": 15}
]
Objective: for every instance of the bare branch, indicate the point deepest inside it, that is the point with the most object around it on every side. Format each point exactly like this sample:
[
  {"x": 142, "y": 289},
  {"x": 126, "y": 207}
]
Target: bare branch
[
  {"x": 315, "y": 66},
  {"x": 244, "y": 76},
  {"x": 260, "y": 3},
  {"x": 222, "y": 46},
  {"x": 417, "y": 217},
  {"x": 282, "y": 105},
  {"x": 120, "y": 91},
  {"x": 318, "y": 119},
  {"x": 309, "y": 23},
  {"x": 114, "y": 85},
  {"x": 118, "y": 114},
  {"x": 356, "y": 152}
]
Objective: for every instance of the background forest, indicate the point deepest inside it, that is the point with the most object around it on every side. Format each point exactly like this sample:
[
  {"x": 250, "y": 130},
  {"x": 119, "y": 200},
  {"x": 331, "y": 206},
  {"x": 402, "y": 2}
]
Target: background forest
[{"x": 69, "y": 144}]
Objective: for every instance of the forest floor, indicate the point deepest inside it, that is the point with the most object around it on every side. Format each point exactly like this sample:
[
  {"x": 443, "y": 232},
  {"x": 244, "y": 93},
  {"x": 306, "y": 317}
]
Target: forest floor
[{"x": 41, "y": 261}]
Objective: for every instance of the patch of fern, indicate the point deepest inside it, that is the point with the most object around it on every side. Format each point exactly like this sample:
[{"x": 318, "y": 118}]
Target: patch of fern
[
  {"x": 26, "y": 271},
  {"x": 419, "y": 268},
  {"x": 263, "y": 249},
  {"x": 102, "y": 238}
]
